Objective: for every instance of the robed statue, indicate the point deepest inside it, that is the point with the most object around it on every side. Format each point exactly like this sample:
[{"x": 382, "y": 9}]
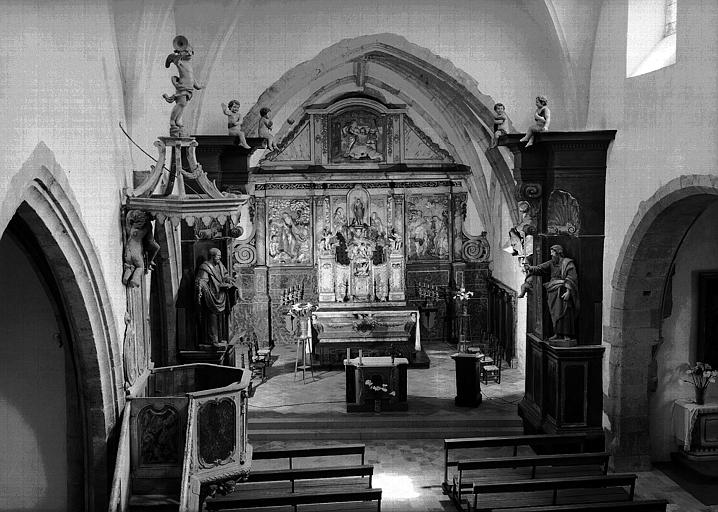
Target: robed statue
[
  {"x": 213, "y": 286},
  {"x": 561, "y": 290}
]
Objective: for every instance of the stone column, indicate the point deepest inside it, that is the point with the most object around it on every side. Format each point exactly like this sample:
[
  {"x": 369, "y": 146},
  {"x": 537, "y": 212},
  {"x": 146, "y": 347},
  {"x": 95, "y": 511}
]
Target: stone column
[
  {"x": 397, "y": 258},
  {"x": 261, "y": 295}
]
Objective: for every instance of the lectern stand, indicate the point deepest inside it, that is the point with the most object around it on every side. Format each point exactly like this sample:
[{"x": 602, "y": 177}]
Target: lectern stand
[{"x": 468, "y": 379}]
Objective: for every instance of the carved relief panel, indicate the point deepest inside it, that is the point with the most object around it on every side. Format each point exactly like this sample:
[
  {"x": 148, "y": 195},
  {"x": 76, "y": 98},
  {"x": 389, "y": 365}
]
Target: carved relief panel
[
  {"x": 427, "y": 227},
  {"x": 289, "y": 234},
  {"x": 358, "y": 135}
]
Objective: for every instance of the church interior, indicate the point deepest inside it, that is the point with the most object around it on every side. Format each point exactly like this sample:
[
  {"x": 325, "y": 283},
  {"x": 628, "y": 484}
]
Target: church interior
[{"x": 430, "y": 232}]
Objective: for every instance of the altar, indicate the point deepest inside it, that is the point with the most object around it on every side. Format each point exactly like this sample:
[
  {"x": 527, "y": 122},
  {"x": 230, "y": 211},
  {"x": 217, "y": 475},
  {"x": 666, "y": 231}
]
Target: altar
[
  {"x": 376, "y": 383},
  {"x": 357, "y": 213},
  {"x": 375, "y": 331},
  {"x": 695, "y": 430}
]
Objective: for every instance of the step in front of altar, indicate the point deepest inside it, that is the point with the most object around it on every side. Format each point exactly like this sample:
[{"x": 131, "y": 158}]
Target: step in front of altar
[
  {"x": 374, "y": 331},
  {"x": 366, "y": 426}
]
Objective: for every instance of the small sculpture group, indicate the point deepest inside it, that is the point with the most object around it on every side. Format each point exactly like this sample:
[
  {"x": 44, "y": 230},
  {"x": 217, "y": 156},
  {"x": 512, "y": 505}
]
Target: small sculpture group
[{"x": 542, "y": 120}]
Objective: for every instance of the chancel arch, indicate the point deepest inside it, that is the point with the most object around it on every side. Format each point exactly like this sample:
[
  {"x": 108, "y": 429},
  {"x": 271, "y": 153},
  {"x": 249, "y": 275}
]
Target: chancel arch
[
  {"x": 44, "y": 220},
  {"x": 651, "y": 331},
  {"x": 438, "y": 96}
]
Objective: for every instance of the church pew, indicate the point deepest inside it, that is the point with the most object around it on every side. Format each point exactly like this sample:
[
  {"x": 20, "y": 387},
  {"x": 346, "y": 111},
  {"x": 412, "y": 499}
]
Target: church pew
[
  {"x": 319, "y": 451},
  {"x": 246, "y": 501},
  {"x": 474, "y": 471},
  {"x": 568, "y": 442},
  {"x": 292, "y": 475},
  {"x": 545, "y": 491},
  {"x": 633, "y": 506}
]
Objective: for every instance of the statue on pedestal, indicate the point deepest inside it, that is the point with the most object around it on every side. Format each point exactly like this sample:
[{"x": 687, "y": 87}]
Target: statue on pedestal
[
  {"x": 185, "y": 83},
  {"x": 500, "y": 124},
  {"x": 231, "y": 110},
  {"x": 542, "y": 120},
  {"x": 562, "y": 292},
  {"x": 140, "y": 248},
  {"x": 212, "y": 285}
]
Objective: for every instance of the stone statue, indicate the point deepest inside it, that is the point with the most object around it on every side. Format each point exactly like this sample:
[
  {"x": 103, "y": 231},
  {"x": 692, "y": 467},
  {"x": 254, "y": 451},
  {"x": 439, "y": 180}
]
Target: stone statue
[
  {"x": 358, "y": 210},
  {"x": 212, "y": 285},
  {"x": 562, "y": 292},
  {"x": 542, "y": 119},
  {"x": 185, "y": 84},
  {"x": 265, "y": 128},
  {"x": 396, "y": 241},
  {"x": 140, "y": 248},
  {"x": 500, "y": 124},
  {"x": 233, "y": 122},
  {"x": 327, "y": 241}
]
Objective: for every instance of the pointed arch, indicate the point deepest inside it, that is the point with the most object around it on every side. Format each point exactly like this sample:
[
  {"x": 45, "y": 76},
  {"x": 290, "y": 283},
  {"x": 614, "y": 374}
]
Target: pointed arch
[
  {"x": 40, "y": 196},
  {"x": 439, "y": 97}
]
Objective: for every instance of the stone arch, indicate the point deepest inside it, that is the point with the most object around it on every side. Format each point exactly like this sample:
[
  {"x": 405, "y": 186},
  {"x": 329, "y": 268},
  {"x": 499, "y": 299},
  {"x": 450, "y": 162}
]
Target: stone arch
[
  {"x": 40, "y": 196},
  {"x": 634, "y": 324},
  {"x": 443, "y": 97}
]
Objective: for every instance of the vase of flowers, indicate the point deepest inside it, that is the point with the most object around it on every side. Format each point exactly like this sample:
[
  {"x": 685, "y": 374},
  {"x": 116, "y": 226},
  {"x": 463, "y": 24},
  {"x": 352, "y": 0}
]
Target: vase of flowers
[
  {"x": 302, "y": 311},
  {"x": 378, "y": 391},
  {"x": 701, "y": 374},
  {"x": 463, "y": 297}
]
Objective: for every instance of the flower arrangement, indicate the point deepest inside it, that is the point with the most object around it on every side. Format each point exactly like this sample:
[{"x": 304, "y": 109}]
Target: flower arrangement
[
  {"x": 701, "y": 374},
  {"x": 302, "y": 309},
  {"x": 462, "y": 294},
  {"x": 378, "y": 388}
]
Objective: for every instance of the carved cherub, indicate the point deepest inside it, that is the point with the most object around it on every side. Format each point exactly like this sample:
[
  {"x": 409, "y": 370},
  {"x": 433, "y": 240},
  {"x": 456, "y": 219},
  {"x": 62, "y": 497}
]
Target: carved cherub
[
  {"x": 140, "y": 248},
  {"x": 265, "y": 128},
  {"x": 233, "y": 121},
  {"x": 500, "y": 124},
  {"x": 185, "y": 84},
  {"x": 542, "y": 120}
]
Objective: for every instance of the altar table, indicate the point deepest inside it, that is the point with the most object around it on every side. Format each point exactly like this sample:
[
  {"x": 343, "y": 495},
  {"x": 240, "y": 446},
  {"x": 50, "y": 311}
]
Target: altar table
[{"x": 376, "y": 383}]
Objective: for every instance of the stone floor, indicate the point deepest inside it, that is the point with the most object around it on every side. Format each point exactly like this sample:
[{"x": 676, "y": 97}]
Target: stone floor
[{"x": 406, "y": 448}]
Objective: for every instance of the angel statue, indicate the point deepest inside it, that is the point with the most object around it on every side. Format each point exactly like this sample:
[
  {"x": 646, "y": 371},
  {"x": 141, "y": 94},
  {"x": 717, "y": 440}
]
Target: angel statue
[{"x": 185, "y": 84}]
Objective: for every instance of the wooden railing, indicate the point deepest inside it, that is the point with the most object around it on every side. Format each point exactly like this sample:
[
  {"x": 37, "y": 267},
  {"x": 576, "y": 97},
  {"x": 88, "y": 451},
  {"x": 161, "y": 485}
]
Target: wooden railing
[{"x": 501, "y": 316}]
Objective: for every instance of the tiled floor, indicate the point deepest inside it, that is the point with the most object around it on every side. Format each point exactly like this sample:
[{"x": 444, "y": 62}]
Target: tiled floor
[{"x": 409, "y": 467}]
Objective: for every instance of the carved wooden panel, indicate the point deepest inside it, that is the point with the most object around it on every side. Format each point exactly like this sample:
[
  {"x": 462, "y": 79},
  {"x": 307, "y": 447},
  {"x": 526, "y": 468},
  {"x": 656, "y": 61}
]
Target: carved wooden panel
[
  {"x": 289, "y": 234},
  {"x": 357, "y": 136},
  {"x": 427, "y": 227},
  {"x": 216, "y": 432},
  {"x": 159, "y": 435}
]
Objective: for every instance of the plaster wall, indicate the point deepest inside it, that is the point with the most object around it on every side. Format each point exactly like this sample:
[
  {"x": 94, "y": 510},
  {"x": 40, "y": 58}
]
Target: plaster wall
[
  {"x": 496, "y": 42},
  {"x": 60, "y": 80},
  {"x": 664, "y": 118},
  {"x": 698, "y": 252},
  {"x": 33, "y": 425}
]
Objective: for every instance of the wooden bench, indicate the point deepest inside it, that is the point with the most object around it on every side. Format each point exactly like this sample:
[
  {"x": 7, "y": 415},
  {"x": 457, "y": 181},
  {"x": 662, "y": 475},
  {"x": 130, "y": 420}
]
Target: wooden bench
[
  {"x": 248, "y": 501},
  {"x": 545, "y": 491},
  {"x": 525, "y": 468},
  {"x": 302, "y": 486},
  {"x": 292, "y": 475},
  {"x": 634, "y": 506},
  {"x": 565, "y": 441},
  {"x": 320, "y": 451}
]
